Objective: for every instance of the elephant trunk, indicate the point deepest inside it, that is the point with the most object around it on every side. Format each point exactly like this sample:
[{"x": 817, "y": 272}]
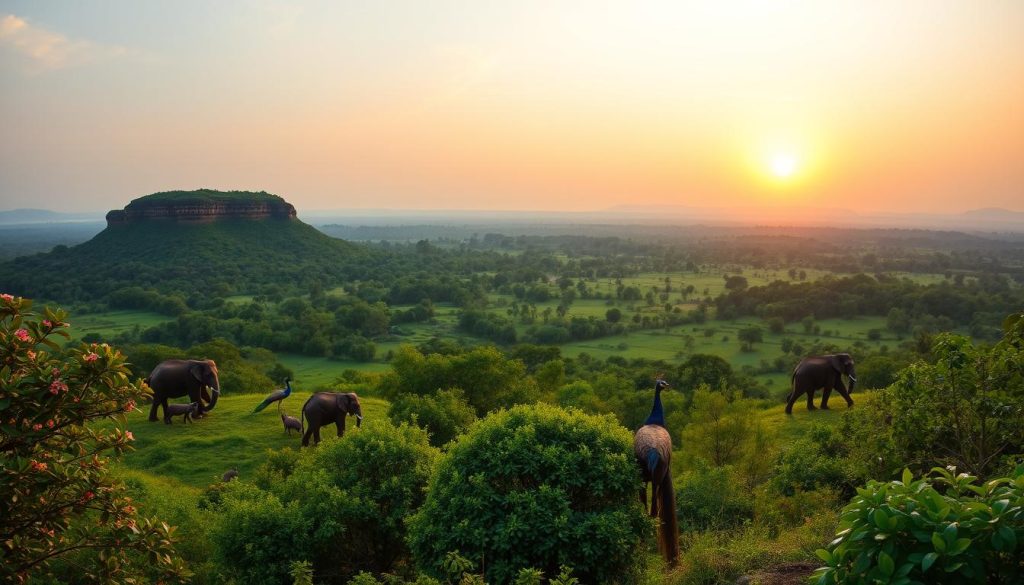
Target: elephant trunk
[
  {"x": 359, "y": 420},
  {"x": 215, "y": 394}
]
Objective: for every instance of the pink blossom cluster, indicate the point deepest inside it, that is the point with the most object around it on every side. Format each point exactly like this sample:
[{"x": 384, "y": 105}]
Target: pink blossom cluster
[
  {"x": 91, "y": 357},
  {"x": 128, "y": 435},
  {"x": 58, "y": 386},
  {"x": 129, "y": 406},
  {"x": 7, "y": 298},
  {"x": 37, "y": 466},
  {"x": 23, "y": 335}
]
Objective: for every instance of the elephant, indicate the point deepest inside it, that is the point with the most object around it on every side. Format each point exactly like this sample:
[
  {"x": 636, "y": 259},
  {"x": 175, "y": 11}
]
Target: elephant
[
  {"x": 176, "y": 378},
  {"x": 323, "y": 408},
  {"x": 826, "y": 372},
  {"x": 229, "y": 475},
  {"x": 186, "y": 411},
  {"x": 290, "y": 422}
]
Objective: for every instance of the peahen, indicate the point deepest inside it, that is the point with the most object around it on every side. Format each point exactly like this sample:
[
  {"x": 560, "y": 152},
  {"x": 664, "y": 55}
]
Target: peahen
[
  {"x": 652, "y": 446},
  {"x": 276, "y": 396}
]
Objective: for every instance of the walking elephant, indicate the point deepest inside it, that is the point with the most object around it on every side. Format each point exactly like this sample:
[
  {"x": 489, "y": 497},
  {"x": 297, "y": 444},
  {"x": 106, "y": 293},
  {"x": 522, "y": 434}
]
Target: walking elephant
[
  {"x": 176, "y": 378},
  {"x": 826, "y": 372},
  {"x": 323, "y": 408}
]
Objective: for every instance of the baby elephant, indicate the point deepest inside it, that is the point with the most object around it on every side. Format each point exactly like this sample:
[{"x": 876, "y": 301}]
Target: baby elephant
[
  {"x": 187, "y": 411},
  {"x": 229, "y": 475},
  {"x": 290, "y": 422}
]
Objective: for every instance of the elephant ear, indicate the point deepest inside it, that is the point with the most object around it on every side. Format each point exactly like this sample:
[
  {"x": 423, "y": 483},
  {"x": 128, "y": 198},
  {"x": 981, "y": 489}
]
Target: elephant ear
[
  {"x": 837, "y": 363},
  {"x": 197, "y": 371}
]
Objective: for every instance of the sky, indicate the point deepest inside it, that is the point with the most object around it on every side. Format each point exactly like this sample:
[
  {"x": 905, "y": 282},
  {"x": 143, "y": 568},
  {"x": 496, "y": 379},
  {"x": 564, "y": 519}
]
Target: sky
[{"x": 871, "y": 106}]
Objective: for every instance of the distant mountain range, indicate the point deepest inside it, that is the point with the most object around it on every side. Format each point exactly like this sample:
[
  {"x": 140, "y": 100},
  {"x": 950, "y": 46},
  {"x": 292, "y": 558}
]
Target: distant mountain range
[
  {"x": 27, "y": 216},
  {"x": 976, "y": 220}
]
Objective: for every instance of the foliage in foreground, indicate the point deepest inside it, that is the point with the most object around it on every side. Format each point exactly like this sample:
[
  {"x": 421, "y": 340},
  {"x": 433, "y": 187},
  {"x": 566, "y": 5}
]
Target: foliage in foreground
[
  {"x": 536, "y": 487},
  {"x": 59, "y": 498},
  {"x": 944, "y": 528},
  {"x": 341, "y": 507}
]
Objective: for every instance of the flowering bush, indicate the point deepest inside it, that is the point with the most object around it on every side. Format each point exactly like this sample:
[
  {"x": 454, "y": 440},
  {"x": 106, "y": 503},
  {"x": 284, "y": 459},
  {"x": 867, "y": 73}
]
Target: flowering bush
[{"x": 58, "y": 497}]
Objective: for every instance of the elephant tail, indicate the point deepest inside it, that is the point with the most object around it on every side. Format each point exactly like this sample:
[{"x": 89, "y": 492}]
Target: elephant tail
[
  {"x": 302, "y": 416},
  {"x": 668, "y": 526}
]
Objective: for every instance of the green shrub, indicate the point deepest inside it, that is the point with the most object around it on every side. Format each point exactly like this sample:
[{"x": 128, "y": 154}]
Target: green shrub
[
  {"x": 712, "y": 498},
  {"x": 444, "y": 415},
  {"x": 257, "y": 536},
  {"x": 908, "y": 531},
  {"x": 536, "y": 487},
  {"x": 813, "y": 461},
  {"x": 341, "y": 506}
]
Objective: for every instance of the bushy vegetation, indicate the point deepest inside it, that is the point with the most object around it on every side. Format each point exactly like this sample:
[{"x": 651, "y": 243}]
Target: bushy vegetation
[
  {"x": 536, "y": 487},
  {"x": 342, "y": 507},
  {"x": 64, "y": 516},
  {"x": 945, "y": 528}
]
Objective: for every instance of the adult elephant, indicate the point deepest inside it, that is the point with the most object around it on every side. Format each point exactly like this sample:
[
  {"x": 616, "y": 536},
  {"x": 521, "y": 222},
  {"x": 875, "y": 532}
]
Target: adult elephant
[
  {"x": 192, "y": 378},
  {"x": 825, "y": 371},
  {"x": 324, "y": 408}
]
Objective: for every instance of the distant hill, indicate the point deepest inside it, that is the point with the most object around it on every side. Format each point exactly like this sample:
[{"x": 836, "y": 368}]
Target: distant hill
[
  {"x": 34, "y": 216},
  {"x": 209, "y": 242}
]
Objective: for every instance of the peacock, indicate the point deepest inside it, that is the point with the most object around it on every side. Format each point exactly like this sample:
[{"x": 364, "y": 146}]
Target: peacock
[
  {"x": 276, "y": 396},
  {"x": 652, "y": 446}
]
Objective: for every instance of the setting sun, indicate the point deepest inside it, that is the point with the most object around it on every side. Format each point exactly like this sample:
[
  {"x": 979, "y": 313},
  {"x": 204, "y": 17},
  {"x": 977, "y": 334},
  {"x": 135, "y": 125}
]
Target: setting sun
[{"x": 783, "y": 165}]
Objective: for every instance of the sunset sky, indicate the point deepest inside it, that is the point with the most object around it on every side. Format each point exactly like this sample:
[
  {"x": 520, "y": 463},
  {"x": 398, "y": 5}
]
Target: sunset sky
[{"x": 876, "y": 106}]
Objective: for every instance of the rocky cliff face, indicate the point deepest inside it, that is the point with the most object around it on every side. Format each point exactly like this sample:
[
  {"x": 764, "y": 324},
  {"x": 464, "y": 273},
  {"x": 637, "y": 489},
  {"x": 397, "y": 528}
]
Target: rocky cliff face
[{"x": 205, "y": 206}]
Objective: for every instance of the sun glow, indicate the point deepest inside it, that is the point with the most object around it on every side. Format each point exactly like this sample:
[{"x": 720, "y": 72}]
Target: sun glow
[{"x": 783, "y": 165}]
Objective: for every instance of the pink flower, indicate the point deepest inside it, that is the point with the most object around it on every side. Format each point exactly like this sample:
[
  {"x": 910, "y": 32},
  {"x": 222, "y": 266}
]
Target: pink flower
[
  {"x": 88, "y": 496},
  {"x": 128, "y": 435},
  {"x": 57, "y": 386},
  {"x": 48, "y": 323},
  {"x": 91, "y": 357},
  {"x": 49, "y": 424},
  {"x": 37, "y": 466},
  {"x": 31, "y": 354},
  {"x": 22, "y": 334},
  {"x": 129, "y": 406},
  {"x": 8, "y": 298},
  {"x": 37, "y": 427}
]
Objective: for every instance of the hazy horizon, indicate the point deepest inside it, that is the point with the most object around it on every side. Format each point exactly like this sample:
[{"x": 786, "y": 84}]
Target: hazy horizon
[{"x": 877, "y": 108}]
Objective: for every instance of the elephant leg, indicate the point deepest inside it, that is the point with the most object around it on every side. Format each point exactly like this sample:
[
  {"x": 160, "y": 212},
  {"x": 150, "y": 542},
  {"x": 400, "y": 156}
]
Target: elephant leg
[
  {"x": 810, "y": 400},
  {"x": 152, "y": 410},
  {"x": 791, "y": 400},
  {"x": 844, "y": 393},
  {"x": 340, "y": 423},
  {"x": 825, "y": 395},
  {"x": 316, "y": 436},
  {"x": 305, "y": 437}
]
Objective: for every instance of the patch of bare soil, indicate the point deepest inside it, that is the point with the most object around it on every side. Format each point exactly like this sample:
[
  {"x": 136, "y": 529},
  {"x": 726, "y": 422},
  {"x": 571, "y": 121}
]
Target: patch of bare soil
[{"x": 786, "y": 574}]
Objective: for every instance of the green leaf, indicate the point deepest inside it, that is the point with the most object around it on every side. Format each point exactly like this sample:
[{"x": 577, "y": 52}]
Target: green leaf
[
  {"x": 960, "y": 546},
  {"x": 928, "y": 560},
  {"x": 938, "y": 542},
  {"x": 950, "y": 533},
  {"x": 907, "y": 476},
  {"x": 824, "y": 555},
  {"x": 880, "y": 518},
  {"x": 1009, "y": 536},
  {"x": 886, "y": 564}
]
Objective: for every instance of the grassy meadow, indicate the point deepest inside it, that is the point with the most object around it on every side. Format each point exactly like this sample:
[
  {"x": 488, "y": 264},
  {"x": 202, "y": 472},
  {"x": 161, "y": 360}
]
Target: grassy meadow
[{"x": 196, "y": 455}]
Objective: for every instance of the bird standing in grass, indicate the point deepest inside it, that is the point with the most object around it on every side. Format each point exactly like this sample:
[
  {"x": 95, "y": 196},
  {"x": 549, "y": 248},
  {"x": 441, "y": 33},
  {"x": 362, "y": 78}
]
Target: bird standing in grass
[
  {"x": 652, "y": 446},
  {"x": 276, "y": 396}
]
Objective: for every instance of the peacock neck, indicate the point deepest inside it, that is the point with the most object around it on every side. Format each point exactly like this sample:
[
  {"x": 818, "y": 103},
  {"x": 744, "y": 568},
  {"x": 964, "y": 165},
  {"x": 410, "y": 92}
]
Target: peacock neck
[{"x": 657, "y": 416}]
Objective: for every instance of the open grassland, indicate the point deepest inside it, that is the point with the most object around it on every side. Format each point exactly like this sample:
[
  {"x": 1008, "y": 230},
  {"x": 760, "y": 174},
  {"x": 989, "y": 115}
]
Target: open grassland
[
  {"x": 110, "y": 323},
  {"x": 229, "y": 437},
  {"x": 320, "y": 373}
]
